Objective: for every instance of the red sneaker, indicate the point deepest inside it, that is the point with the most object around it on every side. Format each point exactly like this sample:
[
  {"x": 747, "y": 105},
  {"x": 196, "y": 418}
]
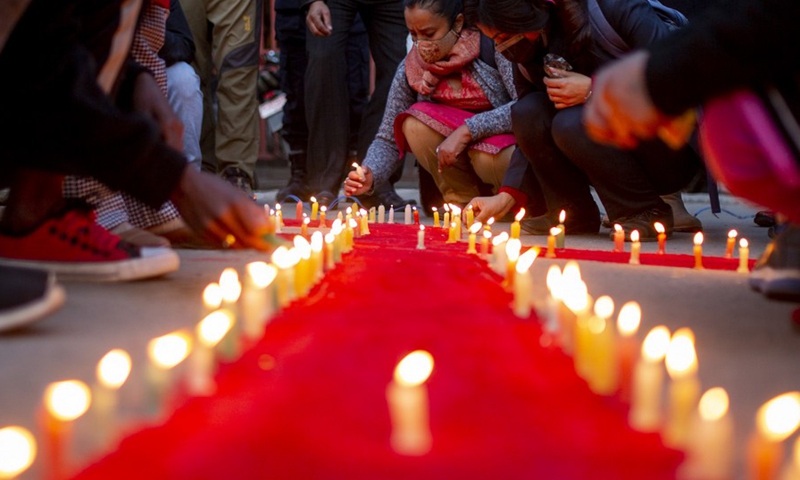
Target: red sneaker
[{"x": 73, "y": 246}]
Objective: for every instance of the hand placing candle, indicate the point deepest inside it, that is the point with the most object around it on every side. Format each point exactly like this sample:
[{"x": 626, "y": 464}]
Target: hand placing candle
[
  {"x": 792, "y": 469},
  {"x": 698, "y": 251},
  {"x": 407, "y": 397},
  {"x": 515, "y": 227},
  {"x": 684, "y": 389},
  {"x": 709, "y": 452},
  {"x": 776, "y": 421},
  {"x": 18, "y": 449},
  {"x": 744, "y": 254},
  {"x": 636, "y": 247},
  {"x": 648, "y": 382},
  {"x": 64, "y": 402}
]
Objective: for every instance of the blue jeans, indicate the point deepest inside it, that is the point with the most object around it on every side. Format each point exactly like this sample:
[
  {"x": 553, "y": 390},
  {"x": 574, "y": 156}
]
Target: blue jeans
[{"x": 186, "y": 99}]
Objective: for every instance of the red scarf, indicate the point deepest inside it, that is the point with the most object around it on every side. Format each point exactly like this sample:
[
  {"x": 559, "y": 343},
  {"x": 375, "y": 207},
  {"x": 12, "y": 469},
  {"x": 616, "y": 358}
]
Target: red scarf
[{"x": 424, "y": 77}]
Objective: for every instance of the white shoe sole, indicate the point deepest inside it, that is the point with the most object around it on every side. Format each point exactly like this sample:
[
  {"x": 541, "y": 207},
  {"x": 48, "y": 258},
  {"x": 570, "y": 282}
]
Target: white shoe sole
[
  {"x": 33, "y": 311},
  {"x": 154, "y": 262}
]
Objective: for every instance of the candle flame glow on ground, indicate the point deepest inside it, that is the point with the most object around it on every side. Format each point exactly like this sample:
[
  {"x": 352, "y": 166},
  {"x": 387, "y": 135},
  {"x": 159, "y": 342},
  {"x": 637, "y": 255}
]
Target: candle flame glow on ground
[
  {"x": 67, "y": 400},
  {"x": 778, "y": 419},
  {"x": 414, "y": 369},
  {"x": 17, "y": 451},
  {"x": 714, "y": 404},
  {"x": 114, "y": 368}
]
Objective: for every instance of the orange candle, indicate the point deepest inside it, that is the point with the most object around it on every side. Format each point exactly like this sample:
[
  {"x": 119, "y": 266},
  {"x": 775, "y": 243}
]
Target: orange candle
[
  {"x": 730, "y": 243},
  {"x": 515, "y": 227},
  {"x": 64, "y": 402},
  {"x": 322, "y": 211},
  {"x": 485, "y": 243},
  {"x": 298, "y": 211},
  {"x": 551, "y": 243},
  {"x": 744, "y": 253},
  {"x": 684, "y": 387},
  {"x": 662, "y": 238},
  {"x": 416, "y": 216},
  {"x": 304, "y": 226},
  {"x": 698, "y": 251},
  {"x": 619, "y": 238}
]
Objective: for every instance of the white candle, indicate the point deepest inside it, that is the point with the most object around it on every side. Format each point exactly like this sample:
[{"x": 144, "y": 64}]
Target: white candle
[
  {"x": 648, "y": 382},
  {"x": 257, "y": 305},
  {"x": 684, "y": 387},
  {"x": 636, "y": 247},
  {"x": 744, "y": 253},
  {"x": 19, "y": 451},
  {"x": 523, "y": 284},
  {"x": 209, "y": 332},
  {"x": 360, "y": 172},
  {"x": 407, "y": 397},
  {"x": 381, "y": 213},
  {"x": 112, "y": 372},
  {"x": 709, "y": 450},
  {"x": 553, "y": 301},
  {"x": 164, "y": 353},
  {"x": 317, "y": 257},
  {"x": 628, "y": 321},
  {"x": 230, "y": 347},
  {"x": 391, "y": 213},
  {"x": 408, "y": 220},
  {"x": 284, "y": 281},
  {"x": 421, "y": 238},
  {"x": 64, "y": 402},
  {"x": 278, "y": 218}
]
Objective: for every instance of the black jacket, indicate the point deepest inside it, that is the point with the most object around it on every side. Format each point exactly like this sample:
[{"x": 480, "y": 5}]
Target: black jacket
[{"x": 178, "y": 40}]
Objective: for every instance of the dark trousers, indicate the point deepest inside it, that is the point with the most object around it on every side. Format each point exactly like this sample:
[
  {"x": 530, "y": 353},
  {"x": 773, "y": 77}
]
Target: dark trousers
[
  {"x": 566, "y": 162},
  {"x": 327, "y": 96}
]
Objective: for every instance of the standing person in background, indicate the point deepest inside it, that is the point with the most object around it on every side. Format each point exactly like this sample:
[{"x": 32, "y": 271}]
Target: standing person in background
[{"x": 227, "y": 37}]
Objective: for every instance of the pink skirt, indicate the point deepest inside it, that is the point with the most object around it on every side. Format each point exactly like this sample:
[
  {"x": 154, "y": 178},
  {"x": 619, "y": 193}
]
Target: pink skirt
[{"x": 445, "y": 120}]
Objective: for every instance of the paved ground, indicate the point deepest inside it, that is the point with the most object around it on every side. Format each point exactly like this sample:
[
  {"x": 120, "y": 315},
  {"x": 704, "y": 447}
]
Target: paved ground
[{"x": 745, "y": 342}]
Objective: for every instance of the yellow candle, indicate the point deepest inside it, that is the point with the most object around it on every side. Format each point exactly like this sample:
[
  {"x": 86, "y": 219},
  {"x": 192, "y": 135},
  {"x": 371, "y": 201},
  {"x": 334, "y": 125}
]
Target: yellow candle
[
  {"x": 212, "y": 297},
  {"x": 776, "y": 421},
  {"x": 364, "y": 227},
  {"x": 350, "y": 234},
  {"x": 473, "y": 232},
  {"x": 744, "y": 253},
  {"x": 698, "y": 251},
  {"x": 636, "y": 247},
  {"x": 487, "y": 235},
  {"x": 619, "y": 238},
  {"x": 304, "y": 226},
  {"x": 64, "y": 402},
  {"x": 371, "y": 214},
  {"x": 684, "y": 388},
  {"x": 314, "y": 208},
  {"x": 336, "y": 230},
  {"x": 562, "y": 217},
  {"x": 455, "y": 217},
  {"x": 230, "y": 347},
  {"x": 628, "y": 321},
  {"x": 730, "y": 243},
  {"x": 648, "y": 382},
  {"x": 513, "y": 247},
  {"x": 436, "y": 217},
  {"x": 407, "y": 397},
  {"x": 19, "y": 451},
  {"x": 470, "y": 216},
  {"x": 792, "y": 469},
  {"x": 303, "y": 271},
  {"x": 111, "y": 373},
  {"x": 515, "y": 227},
  {"x": 284, "y": 280},
  {"x": 208, "y": 333},
  {"x": 329, "y": 264},
  {"x": 451, "y": 233},
  {"x": 447, "y": 218},
  {"x": 322, "y": 211},
  {"x": 278, "y": 216},
  {"x": 381, "y": 213},
  {"x": 421, "y": 238},
  {"x": 551, "y": 243},
  {"x": 488, "y": 226},
  {"x": 604, "y": 377},
  {"x": 523, "y": 284},
  {"x": 709, "y": 451},
  {"x": 662, "y": 238}
]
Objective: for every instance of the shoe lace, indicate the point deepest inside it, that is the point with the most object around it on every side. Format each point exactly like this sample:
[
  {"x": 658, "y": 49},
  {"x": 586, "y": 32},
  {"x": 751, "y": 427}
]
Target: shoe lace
[{"x": 80, "y": 228}]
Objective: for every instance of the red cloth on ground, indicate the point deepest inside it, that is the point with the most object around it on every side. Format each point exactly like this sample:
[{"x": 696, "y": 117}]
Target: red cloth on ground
[{"x": 308, "y": 401}]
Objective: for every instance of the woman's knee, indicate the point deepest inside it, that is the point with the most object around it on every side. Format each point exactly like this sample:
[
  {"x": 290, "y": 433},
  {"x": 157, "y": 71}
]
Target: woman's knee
[{"x": 567, "y": 129}]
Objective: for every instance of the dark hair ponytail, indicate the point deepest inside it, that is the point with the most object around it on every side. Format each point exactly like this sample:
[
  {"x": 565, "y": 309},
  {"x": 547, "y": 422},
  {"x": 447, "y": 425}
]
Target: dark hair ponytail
[{"x": 449, "y": 9}]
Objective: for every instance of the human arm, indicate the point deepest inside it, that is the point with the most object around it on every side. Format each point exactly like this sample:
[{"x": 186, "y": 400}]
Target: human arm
[
  {"x": 568, "y": 88},
  {"x": 513, "y": 192}
]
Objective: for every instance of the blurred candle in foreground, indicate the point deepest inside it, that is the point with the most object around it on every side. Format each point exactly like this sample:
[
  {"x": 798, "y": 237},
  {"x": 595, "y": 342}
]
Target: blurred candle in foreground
[
  {"x": 619, "y": 238},
  {"x": 487, "y": 235},
  {"x": 792, "y": 469},
  {"x": 776, "y": 421},
  {"x": 284, "y": 280},
  {"x": 111, "y": 373},
  {"x": 470, "y": 216},
  {"x": 421, "y": 238},
  {"x": 636, "y": 247},
  {"x": 604, "y": 377},
  {"x": 64, "y": 402},
  {"x": 648, "y": 382},
  {"x": 488, "y": 226},
  {"x": 662, "y": 238},
  {"x": 17, "y": 451},
  {"x": 709, "y": 450},
  {"x": 317, "y": 257},
  {"x": 446, "y": 222},
  {"x": 744, "y": 254},
  {"x": 628, "y": 321},
  {"x": 208, "y": 333},
  {"x": 523, "y": 284},
  {"x": 698, "y": 251},
  {"x": 513, "y": 247},
  {"x": 416, "y": 215},
  {"x": 329, "y": 260},
  {"x": 684, "y": 387},
  {"x": 499, "y": 253},
  {"x": 212, "y": 297},
  {"x": 515, "y": 226},
  {"x": 407, "y": 397},
  {"x": 257, "y": 298},
  {"x": 278, "y": 217},
  {"x": 730, "y": 243},
  {"x": 298, "y": 211},
  {"x": 551, "y": 243},
  {"x": 165, "y": 353},
  {"x": 322, "y": 213}
]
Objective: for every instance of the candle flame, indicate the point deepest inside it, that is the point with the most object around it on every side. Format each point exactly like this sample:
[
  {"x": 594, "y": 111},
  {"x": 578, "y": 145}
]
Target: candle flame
[
  {"x": 778, "y": 419},
  {"x": 316, "y": 241},
  {"x": 635, "y": 236},
  {"x": 349, "y": 210},
  {"x": 229, "y": 283},
  {"x": 353, "y": 223},
  {"x": 323, "y": 209},
  {"x": 656, "y": 343},
  {"x": 336, "y": 226},
  {"x": 476, "y": 227},
  {"x": 743, "y": 243},
  {"x": 659, "y": 227},
  {"x": 503, "y": 237},
  {"x": 526, "y": 260},
  {"x": 169, "y": 350},
  {"x": 446, "y": 207},
  {"x": 364, "y": 212},
  {"x": 329, "y": 238},
  {"x": 554, "y": 231},
  {"x": 604, "y": 307},
  {"x": 733, "y": 233},
  {"x": 212, "y": 296},
  {"x": 67, "y": 400},
  {"x": 562, "y": 216},
  {"x": 18, "y": 449},
  {"x": 306, "y": 220},
  {"x": 513, "y": 246},
  {"x": 261, "y": 274},
  {"x": 302, "y": 246},
  {"x": 280, "y": 257},
  {"x": 576, "y": 297},
  {"x": 630, "y": 316},
  {"x": 681, "y": 356},
  {"x": 487, "y": 234},
  {"x": 434, "y": 209},
  {"x": 414, "y": 369},
  {"x": 698, "y": 238},
  {"x": 456, "y": 210},
  {"x": 355, "y": 165},
  {"x": 277, "y": 206},
  {"x": 553, "y": 279},
  {"x": 313, "y": 200},
  {"x": 212, "y": 329},
  {"x": 422, "y": 228},
  {"x": 520, "y": 214},
  {"x": 572, "y": 273},
  {"x": 114, "y": 368},
  {"x": 617, "y": 227},
  {"x": 490, "y": 222},
  {"x": 714, "y": 404}
]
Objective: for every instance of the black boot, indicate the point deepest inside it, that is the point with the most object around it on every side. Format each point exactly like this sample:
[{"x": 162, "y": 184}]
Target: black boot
[{"x": 297, "y": 182}]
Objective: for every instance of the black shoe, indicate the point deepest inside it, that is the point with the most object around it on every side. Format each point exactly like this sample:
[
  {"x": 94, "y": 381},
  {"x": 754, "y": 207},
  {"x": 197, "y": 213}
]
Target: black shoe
[
  {"x": 239, "y": 179},
  {"x": 644, "y": 223},
  {"x": 387, "y": 198},
  {"x": 777, "y": 272},
  {"x": 27, "y": 295},
  {"x": 584, "y": 221},
  {"x": 297, "y": 186},
  {"x": 765, "y": 218}
]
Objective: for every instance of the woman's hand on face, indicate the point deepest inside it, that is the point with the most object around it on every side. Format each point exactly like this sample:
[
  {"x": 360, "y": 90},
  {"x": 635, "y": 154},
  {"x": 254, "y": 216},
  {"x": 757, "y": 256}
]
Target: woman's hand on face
[
  {"x": 487, "y": 207},
  {"x": 452, "y": 146},
  {"x": 569, "y": 89},
  {"x": 353, "y": 185}
]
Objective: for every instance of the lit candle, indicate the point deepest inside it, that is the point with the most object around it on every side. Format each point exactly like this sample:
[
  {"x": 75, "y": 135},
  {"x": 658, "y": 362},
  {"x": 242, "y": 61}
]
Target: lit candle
[
  {"x": 284, "y": 280},
  {"x": 381, "y": 213},
  {"x": 446, "y": 222},
  {"x": 648, "y": 382},
  {"x": 551, "y": 242},
  {"x": 776, "y": 421},
  {"x": 744, "y": 253},
  {"x": 792, "y": 469},
  {"x": 208, "y": 333},
  {"x": 298, "y": 210},
  {"x": 322, "y": 211},
  {"x": 730, "y": 243},
  {"x": 684, "y": 388},
  {"x": 111, "y": 373},
  {"x": 488, "y": 226},
  {"x": 329, "y": 263},
  {"x": 698, "y": 251},
  {"x": 619, "y": 238},
  {"x": 212, "y": 297},
  {"x": 636, "y": 248},
  {"x": 64, "y": 402},
  {"x": 336, "y": 230},
  {"x": 18, "y": 449},
  {"x": 421, "y": 238},
  {"x": 407, "y": 215},
  {"x": 456, "y": 218},
  {"x": 407, "y": 397},
  {"x": 499, "y": 253},
  {"x": 628, "y": 321},
  {"x": 604, "y": 378},
  {"x": 709, "y": 452},
  {"x": 416, "y": 216},
  {"x": 303, "y": 270},
  {"x": 165, "y": 353},
  {"x": 473, "y": 232},
  {"x": 360, "y": 172},
  {"x": 278, "y": 216},
  {"x": 436, "y": 217},
  {"x": 304, "y": 226},
  {"x": 314, "y": 208},
  {"x": 513, "y": 247},
  {"x": 523, "y": 284},
  {"x": 487, "y": 235},
  {"x": 371, "y": 214},
  {"x": 391, "y": 213},
  {"x": 515, "y": 227},
  {"x": 257, "y": 294},
  {"x": 562, "y": 217},
  {"x": 317, "y": 257},
  {"x": 231, "y": 291},
  {"x": 470, "y": 216},
  {"x": 574, "y": 317},
  {"x": 350, "y": 232},
  {"x": 451, "y": 233},
  {"x": 364, "y": 227},
  {"x": 662, "y": 238},
  {"x": 552, "y": 302}
]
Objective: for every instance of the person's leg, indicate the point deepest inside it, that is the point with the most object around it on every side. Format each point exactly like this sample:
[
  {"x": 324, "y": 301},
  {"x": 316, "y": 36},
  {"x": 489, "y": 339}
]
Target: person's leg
[
  {"x": 235, "y": 43},
  {"x": 33, "y": 197},
  {"x": 358, "y": 80},
  {"x": 186, "y": 99},
  {"x": 491, "y": 168},
  {"x": 327, "y": 102}
]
